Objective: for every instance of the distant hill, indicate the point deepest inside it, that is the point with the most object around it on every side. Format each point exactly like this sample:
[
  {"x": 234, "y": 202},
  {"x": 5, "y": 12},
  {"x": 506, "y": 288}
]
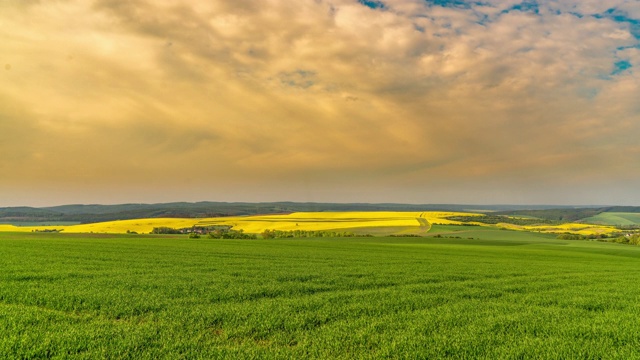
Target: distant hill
[
  {"x": 24, "y": 212},
  {"x": 97, "y": 213},
  {"x": 621, "y": 219},
  {"x": 570, "y": 214}
]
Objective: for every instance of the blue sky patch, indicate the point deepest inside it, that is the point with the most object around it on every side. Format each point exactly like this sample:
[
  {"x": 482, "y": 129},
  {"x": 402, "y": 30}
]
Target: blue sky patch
[
  {"x": 450, "y": 3},
  {"x": 622, "y": 17},
  {"x": 526, "y": 6},
  {"x": 373, "y": 4},
  {"x": 621, "y": 66}
]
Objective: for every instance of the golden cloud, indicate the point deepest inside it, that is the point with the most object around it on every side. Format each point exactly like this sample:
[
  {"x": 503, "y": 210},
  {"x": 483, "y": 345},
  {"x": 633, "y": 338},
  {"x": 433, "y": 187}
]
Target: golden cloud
[{"x": 117, "y": 92}]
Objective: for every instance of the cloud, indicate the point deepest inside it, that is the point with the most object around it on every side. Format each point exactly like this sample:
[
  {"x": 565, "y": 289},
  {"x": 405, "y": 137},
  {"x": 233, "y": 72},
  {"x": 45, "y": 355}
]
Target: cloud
[{"x": 321, "y": 92}]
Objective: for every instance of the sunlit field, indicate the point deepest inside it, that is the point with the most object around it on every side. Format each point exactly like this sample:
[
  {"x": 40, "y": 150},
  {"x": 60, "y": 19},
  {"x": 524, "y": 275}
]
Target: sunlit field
[
  {"x": 574, "y": 228},
  {"x": 374, "y": 223},
  {"x": 394, "y": 222},
  {"x": 460, "y": 292},
  {"x": 615, "y": 218}
]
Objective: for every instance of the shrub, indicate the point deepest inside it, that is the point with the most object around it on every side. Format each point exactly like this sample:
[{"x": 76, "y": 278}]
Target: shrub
[
  {"x": 165, "y": 230},
  {"x": 230, "y": 234}
]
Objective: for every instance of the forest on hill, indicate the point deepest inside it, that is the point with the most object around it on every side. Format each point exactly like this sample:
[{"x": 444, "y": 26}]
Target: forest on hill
[{"x": 97, "y": 213}]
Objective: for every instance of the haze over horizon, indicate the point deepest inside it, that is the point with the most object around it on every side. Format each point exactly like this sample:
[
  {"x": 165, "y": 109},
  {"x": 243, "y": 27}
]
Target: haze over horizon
[{"x": 402, "y": 101}]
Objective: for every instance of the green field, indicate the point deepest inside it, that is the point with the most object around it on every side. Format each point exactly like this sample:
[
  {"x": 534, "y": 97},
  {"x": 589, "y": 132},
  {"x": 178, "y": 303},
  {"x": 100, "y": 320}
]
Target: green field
[
  {"x": 614, "y": 218},
  {"x": 502, "y": 294}
]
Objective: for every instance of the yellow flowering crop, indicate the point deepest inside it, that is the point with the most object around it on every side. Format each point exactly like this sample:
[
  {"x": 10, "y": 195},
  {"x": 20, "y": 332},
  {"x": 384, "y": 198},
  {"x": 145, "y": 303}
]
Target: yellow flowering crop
[
  {"x": 394, "y": 221},
  {"x": 254, "y": 224},
  {"x": 573, "y": 228}
]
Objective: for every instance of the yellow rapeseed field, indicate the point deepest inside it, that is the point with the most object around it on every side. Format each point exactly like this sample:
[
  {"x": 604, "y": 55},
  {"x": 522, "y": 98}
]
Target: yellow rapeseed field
[
  {"x": 440, "y": 217},
  {"x": 112, "y": 227},
  {"x": 256, "y": 224},
  {"x": 573, "y": 228},
  {"x": 394, "y": 221},
  {"x": 318, "y": 221}
]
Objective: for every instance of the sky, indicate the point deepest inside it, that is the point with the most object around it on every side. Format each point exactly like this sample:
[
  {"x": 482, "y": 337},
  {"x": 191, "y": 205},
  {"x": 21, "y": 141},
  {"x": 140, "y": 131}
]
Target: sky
[{"x": 405, "y": 101}]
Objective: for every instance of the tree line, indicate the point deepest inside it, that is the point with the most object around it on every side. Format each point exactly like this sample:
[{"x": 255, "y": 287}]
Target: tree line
[
  {"x": 631, "y": 239},
  {"x": 282, "y": 234},
  {"x": 496, "y": 219}
]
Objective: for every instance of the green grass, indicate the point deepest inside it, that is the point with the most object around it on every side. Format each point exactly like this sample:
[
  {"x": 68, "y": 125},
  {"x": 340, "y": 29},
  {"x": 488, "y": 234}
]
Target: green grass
[
  {"x": 492, "y": 233},
  {"x": 614, "y": 218},
  {"x": 500, "y": 295}
]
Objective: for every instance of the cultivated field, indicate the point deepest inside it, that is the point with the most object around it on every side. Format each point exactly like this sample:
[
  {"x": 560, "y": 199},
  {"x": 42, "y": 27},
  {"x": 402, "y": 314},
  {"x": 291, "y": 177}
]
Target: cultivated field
[
  {"x": 573, "y": 228},
  {"x": 500, "y": 294},
  {"x": 614, "y": 218},
  {"x": 379, "y": 223}
]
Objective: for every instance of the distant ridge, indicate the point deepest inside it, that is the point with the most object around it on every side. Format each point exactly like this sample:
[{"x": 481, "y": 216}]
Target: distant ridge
[{"x": 96, "y": 212}]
